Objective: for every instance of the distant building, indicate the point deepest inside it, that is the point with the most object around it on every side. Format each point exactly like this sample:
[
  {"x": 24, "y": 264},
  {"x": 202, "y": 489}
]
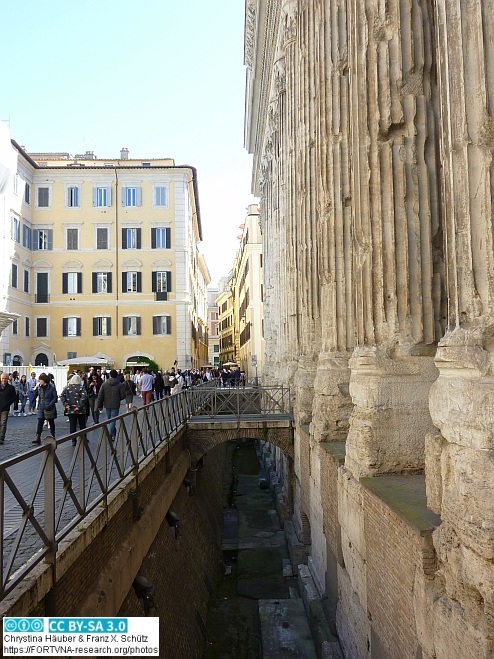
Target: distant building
[
  {"x": 240, "y": 302},
  {"x": 226, "y": 311},
  {"x": 248, "y": 293},
  {"x": 214, "y": 327},
  {"x": 102, "y": 258}
]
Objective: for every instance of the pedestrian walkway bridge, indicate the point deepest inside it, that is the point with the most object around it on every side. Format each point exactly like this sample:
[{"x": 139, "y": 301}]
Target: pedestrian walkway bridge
[{"x": 49, "y": 492}]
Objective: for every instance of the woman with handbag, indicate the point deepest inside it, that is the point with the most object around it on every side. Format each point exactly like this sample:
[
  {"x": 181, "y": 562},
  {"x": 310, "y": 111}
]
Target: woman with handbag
[{"x": 47, "y": 410}]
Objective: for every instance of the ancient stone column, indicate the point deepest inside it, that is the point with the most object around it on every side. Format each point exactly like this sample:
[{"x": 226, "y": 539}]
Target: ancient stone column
[
  {"x": 460, "y": 460},
  {"x": 395, "y": 225}
]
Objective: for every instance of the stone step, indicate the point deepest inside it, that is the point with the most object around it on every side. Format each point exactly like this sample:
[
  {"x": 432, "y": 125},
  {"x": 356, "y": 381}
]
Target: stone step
[{"x": 285, "y": 630}]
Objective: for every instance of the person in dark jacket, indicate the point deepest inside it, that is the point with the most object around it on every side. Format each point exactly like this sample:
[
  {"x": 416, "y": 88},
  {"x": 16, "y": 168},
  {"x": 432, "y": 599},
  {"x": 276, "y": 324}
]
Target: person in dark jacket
[
  {"x": 129, "y": 388},
  {"x": 93, "y": 386},
  {"x": 110, "y": 395},
  {"x": 47, "y": 410},
  {"x": 74, "y": 397},
  {"x": 7, "y": 397},
  {"x": 159, "y": 385}
]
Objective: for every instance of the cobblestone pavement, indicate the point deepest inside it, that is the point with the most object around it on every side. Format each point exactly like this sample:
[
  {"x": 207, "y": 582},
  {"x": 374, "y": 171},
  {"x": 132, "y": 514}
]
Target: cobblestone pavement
[
  {"x": 21, "y": 430},
  {"x": 18, "y": 442}
]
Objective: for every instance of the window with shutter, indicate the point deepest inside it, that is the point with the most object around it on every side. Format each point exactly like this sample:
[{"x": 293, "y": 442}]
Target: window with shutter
[
  {"x": 160, "y": 238},
  {"x": 14, "y": 275},
  {"x": 72, "y": 238},
  {"x": 41, "y": 327},
  {"x": 73, "y": 196},
  {"x": 102, "y": 238},
  {"x": 162, "y": 325},
  {"x": 43, "y": 197}
]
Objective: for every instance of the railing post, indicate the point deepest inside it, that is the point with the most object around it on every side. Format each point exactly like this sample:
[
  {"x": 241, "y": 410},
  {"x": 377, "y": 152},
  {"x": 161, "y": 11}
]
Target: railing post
[
  {"x": 50, "y": 530},
  {"x": 134, "y": 440}
]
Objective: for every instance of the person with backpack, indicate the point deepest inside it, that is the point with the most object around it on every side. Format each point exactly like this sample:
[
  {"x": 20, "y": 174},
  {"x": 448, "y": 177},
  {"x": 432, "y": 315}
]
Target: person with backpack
[{"x": 74, "y": 397}]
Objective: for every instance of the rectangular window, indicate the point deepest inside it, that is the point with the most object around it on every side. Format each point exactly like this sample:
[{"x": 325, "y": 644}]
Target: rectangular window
[
  {"x": 15, "y": 327},
  {"x": 14, "y": 276},
  {"x": 160, "y": 195},
  {"x": 102, "y": 238},
  {"x": 102, "y": 282},
  {"x": 131, "y": 326},
  {"x": 15, "y": 230},
  {"x": 42, "y": 288},
  {"x": 161, "y": 238},
  {"x": 216, "y": 348},
  {"x": 131, "y": 239},
  {"x": 131, "y": 196},
  {"x": 71, "y": 283},
  {"x": 26, "y": 236},
  {"x": 28, "y": 326},
  {"x": 102, "y": 197},
  {"x": 43, "y": 197},
  {"x": 26, "y": 281},
  {"x": 41, "y": 327},
  {"x": 27, "y": 193},
  {"x": 71, "y": 326},
  {"x": 162, "y": 325},
  {"x": 73, "y": 196},
  {"x": 102, "y": 326},
  {"x": 162, "y": 282},
  {"x": 131, "y": 282},
  {"x": 72, "y": 238},
  {"x": 43, "y": 239}
]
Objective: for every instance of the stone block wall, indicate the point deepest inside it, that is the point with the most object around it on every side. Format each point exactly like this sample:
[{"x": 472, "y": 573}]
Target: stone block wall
[{"x": 185, "y": 570}]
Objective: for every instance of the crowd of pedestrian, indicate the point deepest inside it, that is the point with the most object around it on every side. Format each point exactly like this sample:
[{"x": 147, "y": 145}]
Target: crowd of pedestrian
[{"x": 87, "y": 393}]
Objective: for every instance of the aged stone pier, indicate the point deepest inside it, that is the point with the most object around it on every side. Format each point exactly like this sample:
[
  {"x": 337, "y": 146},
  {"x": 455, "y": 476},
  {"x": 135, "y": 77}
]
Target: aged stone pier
[{"x": 372, "y": 129}]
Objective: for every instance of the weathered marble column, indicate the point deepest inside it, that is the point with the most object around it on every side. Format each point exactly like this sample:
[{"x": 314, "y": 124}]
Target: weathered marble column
[
  {"x": 460, "y": 460},
  {"x": 396, "y": 224}
]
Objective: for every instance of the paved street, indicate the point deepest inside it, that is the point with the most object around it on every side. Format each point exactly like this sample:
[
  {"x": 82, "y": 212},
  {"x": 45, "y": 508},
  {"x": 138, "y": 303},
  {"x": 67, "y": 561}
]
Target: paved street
[{"x": 21, "y": 430}]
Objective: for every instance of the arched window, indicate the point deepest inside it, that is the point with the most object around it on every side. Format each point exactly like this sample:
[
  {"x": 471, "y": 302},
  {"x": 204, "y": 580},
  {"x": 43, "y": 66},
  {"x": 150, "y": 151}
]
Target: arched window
[
  {"x": 41, "y": 360},
  {"x": 17, "y": 360}
]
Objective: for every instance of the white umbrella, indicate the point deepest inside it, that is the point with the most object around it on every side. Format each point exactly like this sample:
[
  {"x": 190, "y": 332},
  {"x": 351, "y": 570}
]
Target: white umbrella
[{"x": 93, "y": 360}]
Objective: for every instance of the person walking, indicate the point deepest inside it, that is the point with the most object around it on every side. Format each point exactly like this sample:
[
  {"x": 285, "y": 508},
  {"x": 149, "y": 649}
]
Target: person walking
[
  {"x": 23, "y": 391},
  {"x": 166, "y": 384},
  {"x": 15, "y": 382},
  {"x": 109, "y": 397},
  {"x": 159, "y": 385},
  {"x": 93, "y": 387},
  {"x": 32, "y": 393},
  {"x": 74, "y": 397},
  {"x": 47, "y": 410},
  {"x": 7, "y": 397},
  {"x": 146, "y": 385},
  {"x": 129, "y": 390}
]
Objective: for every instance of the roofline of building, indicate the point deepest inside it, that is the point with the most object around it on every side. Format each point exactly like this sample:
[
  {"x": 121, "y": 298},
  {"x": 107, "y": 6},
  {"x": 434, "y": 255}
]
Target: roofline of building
[{"x": 64, "y": 167}]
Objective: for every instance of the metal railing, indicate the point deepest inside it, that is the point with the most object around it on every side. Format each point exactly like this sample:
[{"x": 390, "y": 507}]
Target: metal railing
[
  {"x": 47, "y": 493},
  {"x": 241, "y": 401}
]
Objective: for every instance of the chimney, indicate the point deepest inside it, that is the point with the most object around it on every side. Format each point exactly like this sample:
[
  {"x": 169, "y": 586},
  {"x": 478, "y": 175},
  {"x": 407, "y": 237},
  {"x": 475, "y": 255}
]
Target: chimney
[{"x": 124, "y": 154}]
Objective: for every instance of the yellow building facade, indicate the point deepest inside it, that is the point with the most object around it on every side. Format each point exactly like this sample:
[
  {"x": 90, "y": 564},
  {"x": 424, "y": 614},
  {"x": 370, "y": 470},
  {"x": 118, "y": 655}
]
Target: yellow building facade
[{"x": 104, "y": 260}]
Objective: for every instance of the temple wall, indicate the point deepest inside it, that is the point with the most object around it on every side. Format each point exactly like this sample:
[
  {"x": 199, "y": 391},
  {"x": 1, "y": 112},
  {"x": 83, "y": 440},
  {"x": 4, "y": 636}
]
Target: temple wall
[{"x": 371, "y": 126}]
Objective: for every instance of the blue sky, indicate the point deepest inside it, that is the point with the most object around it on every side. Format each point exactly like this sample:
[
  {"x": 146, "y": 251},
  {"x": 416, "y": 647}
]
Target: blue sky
[{"x": 161, "y": 77}]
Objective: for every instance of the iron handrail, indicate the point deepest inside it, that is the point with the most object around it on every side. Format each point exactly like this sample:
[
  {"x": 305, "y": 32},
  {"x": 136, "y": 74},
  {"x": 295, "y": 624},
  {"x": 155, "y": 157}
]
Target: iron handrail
[{"x": 70, "y": 483}]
